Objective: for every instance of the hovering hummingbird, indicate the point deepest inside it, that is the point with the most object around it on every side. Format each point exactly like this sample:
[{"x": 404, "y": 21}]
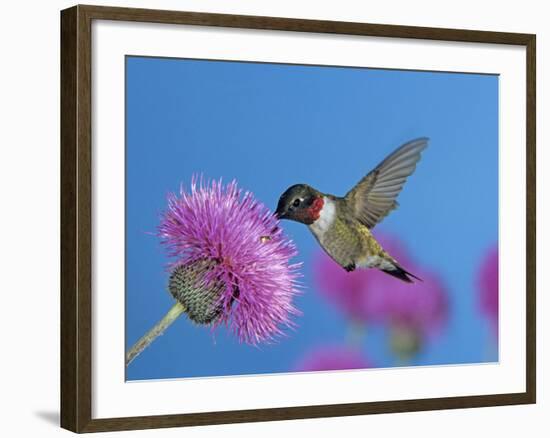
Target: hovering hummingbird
[{"x": 342, "y": 225}]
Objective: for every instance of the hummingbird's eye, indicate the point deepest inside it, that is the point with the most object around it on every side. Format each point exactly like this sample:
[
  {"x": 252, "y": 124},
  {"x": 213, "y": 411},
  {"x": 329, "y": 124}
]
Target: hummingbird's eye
[{"x": 296, "y": 202}]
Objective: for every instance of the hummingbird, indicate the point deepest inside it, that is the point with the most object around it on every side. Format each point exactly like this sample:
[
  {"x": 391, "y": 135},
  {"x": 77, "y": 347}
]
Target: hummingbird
[{"x": 342, "y": 225}]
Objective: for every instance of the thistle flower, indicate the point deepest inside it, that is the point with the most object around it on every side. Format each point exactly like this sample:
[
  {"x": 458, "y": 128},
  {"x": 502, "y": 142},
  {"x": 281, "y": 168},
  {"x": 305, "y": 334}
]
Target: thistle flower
[
  {"x": 332, "y": 357},
  {"x": 231, "y": 262},
  {"x": 488, "y": 287},
  {"x": 246, "y": 255}
]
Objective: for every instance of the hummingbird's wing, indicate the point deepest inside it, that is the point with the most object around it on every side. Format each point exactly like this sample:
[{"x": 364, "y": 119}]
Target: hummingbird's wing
[{"x": 375, "y": 195}]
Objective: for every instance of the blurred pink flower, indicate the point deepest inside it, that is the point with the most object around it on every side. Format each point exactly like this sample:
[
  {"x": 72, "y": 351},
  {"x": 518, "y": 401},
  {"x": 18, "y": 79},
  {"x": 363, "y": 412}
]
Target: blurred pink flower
[
  {"x": 344, "y": 289},
  {"x": 349, "y": 290},
  {"x": 332, "y": 357},
  {"x": 421, "y": 306},
  {"x": 412, "y": 312},
  {"x": 488, "y": 287}
]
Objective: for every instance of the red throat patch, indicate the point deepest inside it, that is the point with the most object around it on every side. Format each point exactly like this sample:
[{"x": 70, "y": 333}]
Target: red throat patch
[{"x": 316, "y": 207}]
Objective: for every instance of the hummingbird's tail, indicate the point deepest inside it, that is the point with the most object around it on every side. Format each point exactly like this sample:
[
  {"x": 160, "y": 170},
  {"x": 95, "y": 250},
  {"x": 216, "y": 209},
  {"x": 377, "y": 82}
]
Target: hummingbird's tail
[{"x": 399, "y": 272}]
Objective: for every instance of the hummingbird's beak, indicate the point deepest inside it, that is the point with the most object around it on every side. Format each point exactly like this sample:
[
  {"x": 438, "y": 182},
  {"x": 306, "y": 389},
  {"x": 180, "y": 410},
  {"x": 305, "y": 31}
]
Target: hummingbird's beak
[{"x": 280, "y": 214}]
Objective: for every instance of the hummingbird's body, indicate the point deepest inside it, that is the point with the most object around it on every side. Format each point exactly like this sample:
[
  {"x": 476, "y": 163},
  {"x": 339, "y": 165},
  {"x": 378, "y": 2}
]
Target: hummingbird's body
[
  {"x": 342, "y": 225},
  {"x": 346, "y": 240}
]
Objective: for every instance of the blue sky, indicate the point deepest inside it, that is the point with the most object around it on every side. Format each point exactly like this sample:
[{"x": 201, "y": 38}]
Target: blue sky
[{"x": 270, "y": 126}]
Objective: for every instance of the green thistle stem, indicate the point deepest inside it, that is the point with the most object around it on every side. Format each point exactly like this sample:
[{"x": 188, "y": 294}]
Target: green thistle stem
[{"x": 173, "y": 314}]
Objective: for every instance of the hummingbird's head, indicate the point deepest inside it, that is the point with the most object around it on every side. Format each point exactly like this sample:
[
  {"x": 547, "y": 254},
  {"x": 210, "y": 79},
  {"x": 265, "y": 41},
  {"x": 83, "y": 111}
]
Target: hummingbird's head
[{"x": 300, "y": 203}]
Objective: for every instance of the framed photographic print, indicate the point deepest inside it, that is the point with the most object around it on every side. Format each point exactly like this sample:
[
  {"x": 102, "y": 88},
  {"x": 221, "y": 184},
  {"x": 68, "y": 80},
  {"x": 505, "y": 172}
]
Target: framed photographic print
[{"x": 320, "y": 218}]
